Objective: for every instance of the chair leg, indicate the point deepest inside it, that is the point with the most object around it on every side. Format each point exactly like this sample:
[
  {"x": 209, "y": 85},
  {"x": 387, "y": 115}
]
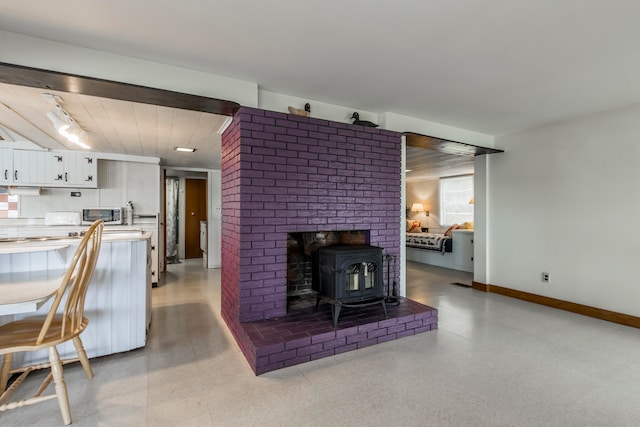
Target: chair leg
[
  {"x": 82, "y": 355},
  {"x": 7, "y": 361},
  {"x": 61, "y": 387}
]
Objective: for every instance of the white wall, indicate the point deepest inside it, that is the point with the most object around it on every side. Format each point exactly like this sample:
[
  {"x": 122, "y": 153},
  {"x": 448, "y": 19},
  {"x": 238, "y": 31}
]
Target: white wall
[
  {"x": 214, "y": 219},
  {"x": 564, "y": 199},
  {"x": 481, "y": 214},
  {"x": 427, "y": 192}
]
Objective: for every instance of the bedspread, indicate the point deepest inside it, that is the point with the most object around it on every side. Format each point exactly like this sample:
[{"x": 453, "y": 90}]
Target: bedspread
[{"x": 431, "y": 241}]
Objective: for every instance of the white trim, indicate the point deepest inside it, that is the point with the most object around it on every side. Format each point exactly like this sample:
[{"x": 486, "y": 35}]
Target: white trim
[
  {"x": 127, "y": 158},
  {"x": 403, "y": 229}
]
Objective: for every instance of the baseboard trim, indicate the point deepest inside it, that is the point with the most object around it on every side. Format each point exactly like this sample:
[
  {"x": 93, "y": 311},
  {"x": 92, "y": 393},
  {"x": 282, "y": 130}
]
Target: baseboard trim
[{"x": 585, "y": 310}]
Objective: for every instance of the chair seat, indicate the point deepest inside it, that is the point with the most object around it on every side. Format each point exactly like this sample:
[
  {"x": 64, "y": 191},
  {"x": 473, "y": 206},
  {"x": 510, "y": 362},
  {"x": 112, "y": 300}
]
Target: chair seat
[{"x": 21, "y": 335}]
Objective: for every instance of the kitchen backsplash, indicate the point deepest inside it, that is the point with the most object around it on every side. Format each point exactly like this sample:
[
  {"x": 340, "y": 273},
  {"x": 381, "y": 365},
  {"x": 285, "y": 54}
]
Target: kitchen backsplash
[{"x": 9, "y": 206}]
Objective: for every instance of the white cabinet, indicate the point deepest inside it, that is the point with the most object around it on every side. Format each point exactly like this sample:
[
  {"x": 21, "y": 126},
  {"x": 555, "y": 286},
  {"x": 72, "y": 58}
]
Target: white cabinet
[
  {"x": 6, "y": 166},
  {"x": 155, "y": 257},
  {"x": 87, "y": 169},
  {"x": 463, "y": 249},
  {"x": 55, "y": 169},
  {"x": 72, "y": 169},
  {"x": 49, "y": 168},
  {"x": 30, "y": 167}
]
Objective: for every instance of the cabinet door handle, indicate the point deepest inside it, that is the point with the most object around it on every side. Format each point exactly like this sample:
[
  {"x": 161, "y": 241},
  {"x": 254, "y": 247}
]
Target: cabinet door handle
[
  {"x": 66, "y": 177},
  {"x": 15, "y": 175},
  {"x": 6, "y": 174}
]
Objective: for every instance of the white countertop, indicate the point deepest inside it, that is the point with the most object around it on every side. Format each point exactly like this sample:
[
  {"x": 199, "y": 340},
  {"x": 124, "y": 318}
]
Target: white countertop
[{"x": 53, "y": 243}]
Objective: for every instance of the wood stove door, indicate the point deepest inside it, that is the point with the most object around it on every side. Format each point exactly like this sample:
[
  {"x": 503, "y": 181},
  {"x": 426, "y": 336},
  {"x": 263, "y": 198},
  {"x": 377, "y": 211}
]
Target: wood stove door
[{"x": 361, "y": 280}]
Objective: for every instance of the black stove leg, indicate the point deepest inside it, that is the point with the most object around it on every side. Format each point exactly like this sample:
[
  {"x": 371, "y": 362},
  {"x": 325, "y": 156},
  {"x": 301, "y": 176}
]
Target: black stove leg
[{"x": 335, "y": 311}]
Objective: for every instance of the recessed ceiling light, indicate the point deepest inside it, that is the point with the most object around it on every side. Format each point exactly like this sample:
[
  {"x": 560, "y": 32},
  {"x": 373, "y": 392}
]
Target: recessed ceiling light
[{"x": 185, "y": 149}]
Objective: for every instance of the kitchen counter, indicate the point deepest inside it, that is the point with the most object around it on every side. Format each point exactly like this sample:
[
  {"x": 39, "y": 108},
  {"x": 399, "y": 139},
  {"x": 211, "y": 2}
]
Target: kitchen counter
[
  {"x": 118, "y": 300},
  {"x": 108, "y": 235},
  {"x": 61, "y": 231}
]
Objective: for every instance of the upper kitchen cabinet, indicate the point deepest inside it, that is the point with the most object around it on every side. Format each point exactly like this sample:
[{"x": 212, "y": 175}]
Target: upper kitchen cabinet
[
  {"x": 73, "y": 169},
  {"x": 29, "y": 167},
  {"x": 49, "y": 168},
  {"x": 6, "y": 166}
]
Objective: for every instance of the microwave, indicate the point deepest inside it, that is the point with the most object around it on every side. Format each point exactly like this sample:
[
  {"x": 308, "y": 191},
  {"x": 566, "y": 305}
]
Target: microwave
[{"x": 108, "y": 215}]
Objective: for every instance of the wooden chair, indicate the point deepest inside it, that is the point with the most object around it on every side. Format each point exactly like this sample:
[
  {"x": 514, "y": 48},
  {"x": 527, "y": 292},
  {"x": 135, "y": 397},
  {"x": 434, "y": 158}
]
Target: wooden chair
[{"x": 38, "y": 333}]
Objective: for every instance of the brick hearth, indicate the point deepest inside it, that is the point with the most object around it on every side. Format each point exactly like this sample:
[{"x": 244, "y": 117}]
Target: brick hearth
[{"x": 307, "y": 335}]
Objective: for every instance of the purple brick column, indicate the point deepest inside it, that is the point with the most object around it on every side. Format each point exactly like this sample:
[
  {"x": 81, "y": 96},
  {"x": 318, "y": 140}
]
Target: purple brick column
[
  {"x": 230, "y": 274},
  {"x": 283, "y": 173}
]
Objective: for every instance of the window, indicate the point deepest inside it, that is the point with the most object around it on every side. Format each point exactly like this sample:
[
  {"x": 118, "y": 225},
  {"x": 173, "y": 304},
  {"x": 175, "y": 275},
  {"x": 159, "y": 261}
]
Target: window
[{"x": 455, "y": 194}]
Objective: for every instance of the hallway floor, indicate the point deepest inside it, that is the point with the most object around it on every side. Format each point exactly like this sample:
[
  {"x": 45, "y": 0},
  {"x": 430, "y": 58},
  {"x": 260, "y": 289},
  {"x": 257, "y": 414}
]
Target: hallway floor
[{"x": 494, "y": 361}]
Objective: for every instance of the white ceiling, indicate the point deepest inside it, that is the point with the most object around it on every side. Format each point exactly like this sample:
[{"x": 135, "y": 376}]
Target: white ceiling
[
  {"x": 112, "y": 126},
  {"x": 492, "y": 66}
]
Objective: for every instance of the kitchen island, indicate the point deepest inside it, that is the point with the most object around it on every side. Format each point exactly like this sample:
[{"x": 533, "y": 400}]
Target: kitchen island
[{"x": 118, "y": 301}]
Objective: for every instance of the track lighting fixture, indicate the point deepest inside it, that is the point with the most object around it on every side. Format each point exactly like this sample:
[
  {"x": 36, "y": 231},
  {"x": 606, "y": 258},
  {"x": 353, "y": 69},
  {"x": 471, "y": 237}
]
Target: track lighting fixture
[{"x": 67, "y": 126}]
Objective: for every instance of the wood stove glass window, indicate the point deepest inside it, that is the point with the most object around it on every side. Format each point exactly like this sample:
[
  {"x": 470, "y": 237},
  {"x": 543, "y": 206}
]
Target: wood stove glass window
[{"x": 361, "y": 276}]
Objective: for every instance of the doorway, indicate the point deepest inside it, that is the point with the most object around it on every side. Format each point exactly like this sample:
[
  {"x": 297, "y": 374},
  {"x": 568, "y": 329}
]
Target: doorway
[
  {"x": 195, "y": 212},
  {"x": 184, "y": 207}
]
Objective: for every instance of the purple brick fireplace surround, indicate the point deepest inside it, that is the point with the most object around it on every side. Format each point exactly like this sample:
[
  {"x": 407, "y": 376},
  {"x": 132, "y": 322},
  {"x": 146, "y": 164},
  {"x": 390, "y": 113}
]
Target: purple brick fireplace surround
[{"x": 284, "y": 173}]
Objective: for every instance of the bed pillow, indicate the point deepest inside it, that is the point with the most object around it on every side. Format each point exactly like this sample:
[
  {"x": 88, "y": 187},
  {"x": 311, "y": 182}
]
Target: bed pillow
[
  {"x": 453, "y": 227},
  {"x": 413, "y": 227}
]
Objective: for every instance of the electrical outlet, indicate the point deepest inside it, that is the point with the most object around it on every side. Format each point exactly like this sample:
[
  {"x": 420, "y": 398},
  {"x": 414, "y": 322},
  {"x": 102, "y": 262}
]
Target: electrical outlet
[{"x": 545, "y": 277}]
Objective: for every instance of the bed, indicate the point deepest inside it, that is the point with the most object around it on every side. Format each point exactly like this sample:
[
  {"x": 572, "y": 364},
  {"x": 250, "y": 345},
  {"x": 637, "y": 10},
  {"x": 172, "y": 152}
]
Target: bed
[
  {"x": 455, "y": 252},
  {"x": 430, "y": 242}
]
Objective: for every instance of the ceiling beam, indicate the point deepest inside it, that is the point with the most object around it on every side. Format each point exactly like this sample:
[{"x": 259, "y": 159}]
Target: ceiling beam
[
  {"x": 447, "y": 146},
  {"x": 54, "y": 80}
]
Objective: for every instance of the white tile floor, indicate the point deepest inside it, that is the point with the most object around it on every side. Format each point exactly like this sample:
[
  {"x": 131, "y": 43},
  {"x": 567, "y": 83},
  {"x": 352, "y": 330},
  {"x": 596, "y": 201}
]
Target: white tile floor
[{"x": 495, "y": 361}]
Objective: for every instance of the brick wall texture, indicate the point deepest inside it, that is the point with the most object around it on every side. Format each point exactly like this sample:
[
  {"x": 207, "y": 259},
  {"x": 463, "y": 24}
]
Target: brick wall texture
[{"x": 284, "y": 173}]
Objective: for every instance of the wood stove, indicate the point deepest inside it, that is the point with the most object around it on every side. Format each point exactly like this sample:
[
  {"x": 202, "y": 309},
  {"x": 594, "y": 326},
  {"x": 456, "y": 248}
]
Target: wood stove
[{"x": 348, "y": 275}]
